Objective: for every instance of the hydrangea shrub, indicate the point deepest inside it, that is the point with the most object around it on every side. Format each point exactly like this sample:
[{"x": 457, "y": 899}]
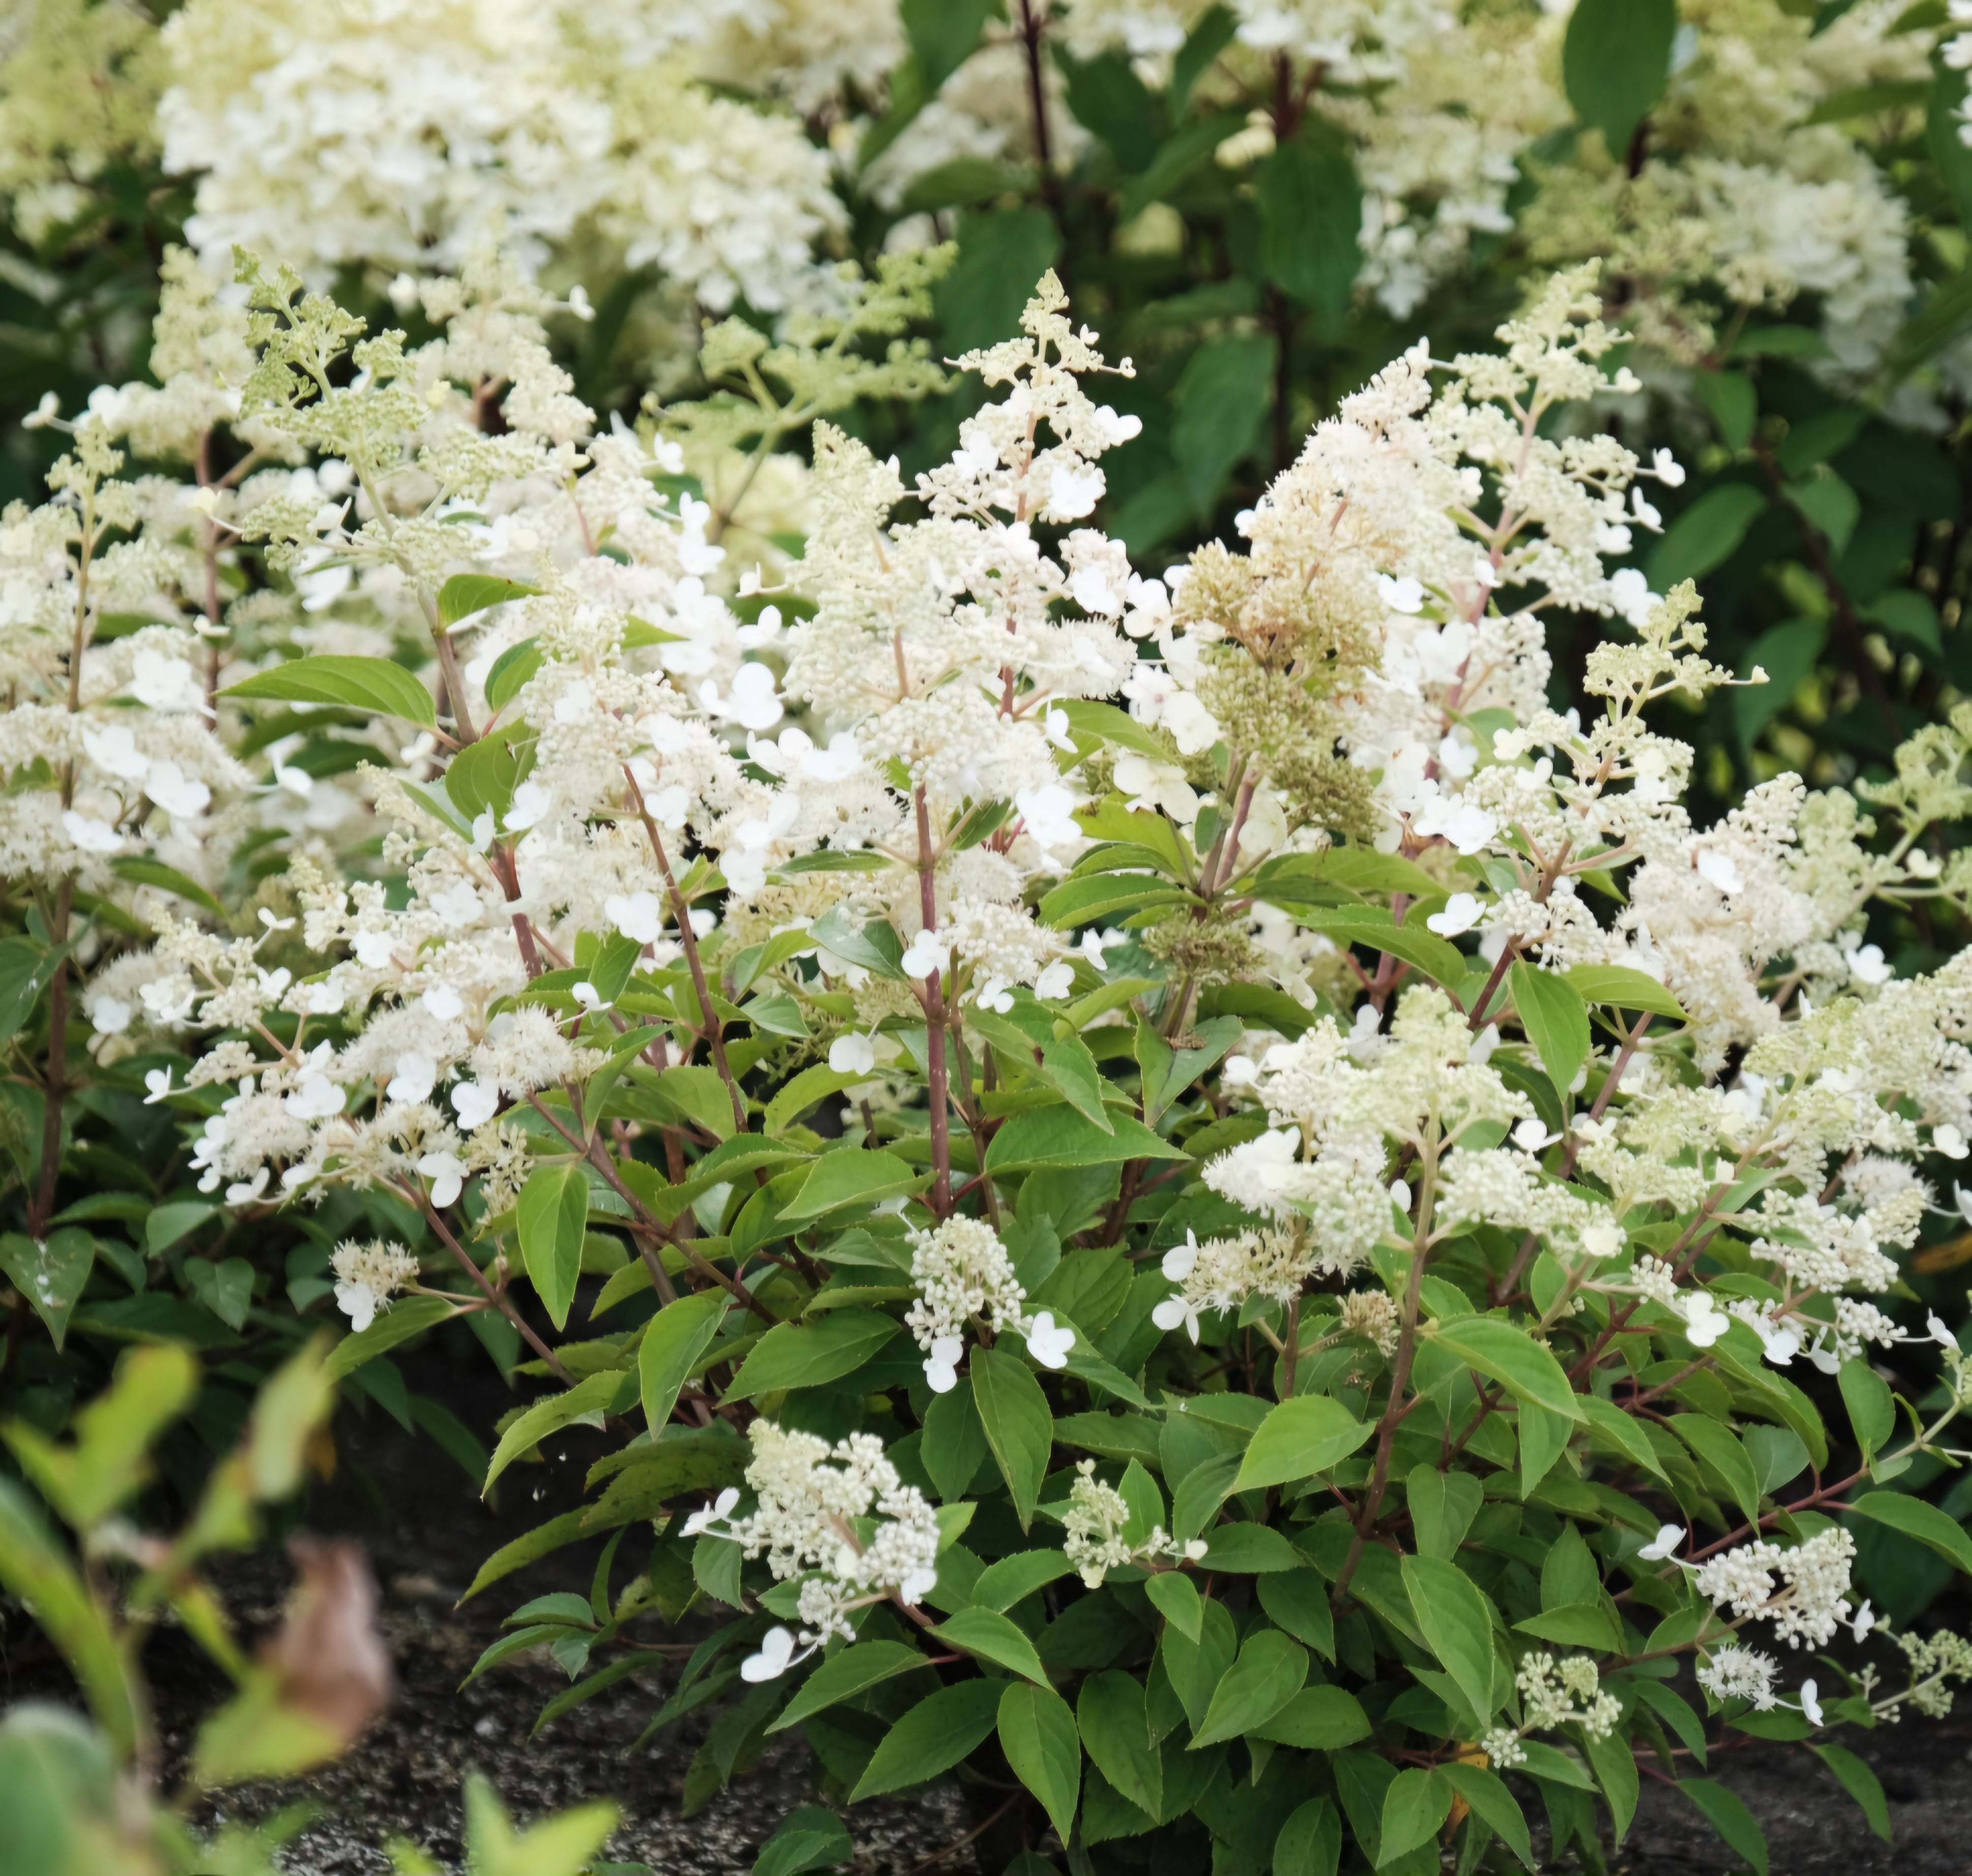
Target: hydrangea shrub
[{"x": 1209, "y": 1214}]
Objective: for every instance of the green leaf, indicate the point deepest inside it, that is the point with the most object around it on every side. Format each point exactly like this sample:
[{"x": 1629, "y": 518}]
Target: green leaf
[
  {"x": 807, "y": 1355},
  {"x": 1860, "y": 1783},
  {"x": 1059, "y": 1136},
  {"x": 1727, "y": 1815},
  {"x": 673, "y": 1340},
  {"x": 1574, "y": 1625},
  {"x": 1310, "y": 1841},
  {"x": 810, "y": 1838},
  {"x": 1221, "y": 396},
  {"x": 1298, "y": 1439},
  {"x": 1456, "y": 1621},
  {"x": 1611, "y": 1426},
  {"x": 1442, "y": 1506},
  {"x": 1249, "y": 1550},
  {"x": 843, "y": 1676},
  {"x": 1270, "y": 1671},
  {"x": 1624, "y": 988},
  {"x": 1037, "y": 1733},
  {"x": 372, "y": 684},
  {"x": 464, "y": 594},
  {"x": 849, "y": 1176},
  {"x": 815, "y": 1083},
  {"x": 1720, "y": 1450},
  {"x": 1556, "y": 1021},
  {"x": 551, "y": 1217},
  {"x": 51, "y": 1273},
  {"x": 1318, "y": 1719},
  {"x": 942, "y": 33},
  {"x": 1297, "y": 1600},
  {"x": 562, "y": 1845},
  {"x": 411, "y": 1316},
  {"x": 1013, "y": 1579},
  {"x": 34, "y": 1568},
  {"x": 511, "y": 669},
  {"x": 1915, "y": 1517},
  {"x": 1001, "y": 254},
  {"x": 529, "y": 1548},
  {"x": 139, "y": 872},
  {"x": 1705, "y": 535},
  {"x": 1872, "y": 1410},
  {"x": 1116, "y": 1734},
  {"x": 1494, "y": 1806},
  {"x": 1310, "y": 203},
  {"x": 169, "y": 1223},
  {"x": 1020, "y": 1429},
  {"x": 587, "y": 1401},
  {"x": 1510, "y": 1356},
  {"x": 1614, "y": 1762},
  {"x": 1945, "y": 314},
  {"x": 1417, "y": 1802},
  {"x": 1829, "y": 503},
  {"x": 941, "y": 1730},
  {"x": 1614, "y": 62},
  {"x": 954, "y": 1441},
  {"x": 1067, "y": 1063},
  {"x": 1442, "y": 962},
  {"x": 1175, "y": 1597},
  {"x": 995, "y": 1638}
]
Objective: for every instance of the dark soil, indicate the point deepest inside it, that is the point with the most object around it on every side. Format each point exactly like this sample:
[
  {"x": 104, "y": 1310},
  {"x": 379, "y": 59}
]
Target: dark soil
[
  {"x": 427, "y": 1533},
  {"x": 1811, "y": 1824}
]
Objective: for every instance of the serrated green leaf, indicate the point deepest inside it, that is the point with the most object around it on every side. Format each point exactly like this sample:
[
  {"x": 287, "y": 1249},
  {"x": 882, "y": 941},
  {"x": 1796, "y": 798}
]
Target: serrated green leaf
[
  {"x": 374, "y": 684},
  {"x": 1298, "y": 1440},
  {"x": 941, "y": 1730},
  {"x": 551, "y": 1217},
  {"x": 1038, "y": 1734},
  {"x": 464, "y": 594}
]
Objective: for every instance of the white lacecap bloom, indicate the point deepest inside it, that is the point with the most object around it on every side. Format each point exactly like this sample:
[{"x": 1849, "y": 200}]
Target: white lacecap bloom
[
  {"x": 1949, "y": 1141},
  {"x": 475, "y": 1103},
  {"x": 1669, "y": 1536},
  {"x": 1460, "y": 914},
  {"x": 852, "y": 1054},
  {"x": 91, "y": 835},
  {"x": 708, "y": 1515},
  {"x": 1048, "y": 1342},
  {"x": 413, "y": 1081},
  {"x": 776, "y": 1652},
  {"x": 446, "y": 1171},
  {"x": 923, "y": 955},
  {"x": 1054, "y": 982},
  {"x": 1705, "y": 1322}
]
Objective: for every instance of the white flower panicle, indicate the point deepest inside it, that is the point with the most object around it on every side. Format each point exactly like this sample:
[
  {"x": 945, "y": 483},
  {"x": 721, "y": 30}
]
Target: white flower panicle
[
  {"x": 367, "y": 1276},
  {"x": 1094, "y": 1523},
  {"x": 1734, "y": 1672},
  {"x": 964, "y": 1275},
  {"x": 1803, "y": 1590},
  {"x": 851, "y": 1529}
]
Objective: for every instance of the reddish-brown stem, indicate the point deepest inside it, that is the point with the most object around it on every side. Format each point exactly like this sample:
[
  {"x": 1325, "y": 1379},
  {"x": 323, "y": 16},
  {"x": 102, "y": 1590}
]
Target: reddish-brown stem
[
  {"x": 938, "y": 1072},
  {"x": 714, "y": 1030},
  {"x": 1394, "y": 1409},
  {"x": 495, "y": 1296}
]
